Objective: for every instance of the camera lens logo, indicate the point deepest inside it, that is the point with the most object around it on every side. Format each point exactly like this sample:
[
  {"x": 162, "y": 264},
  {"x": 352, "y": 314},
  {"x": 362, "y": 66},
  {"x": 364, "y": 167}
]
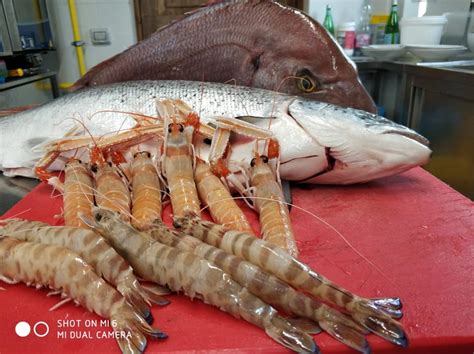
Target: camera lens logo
[{"x": 40, "y": 329}]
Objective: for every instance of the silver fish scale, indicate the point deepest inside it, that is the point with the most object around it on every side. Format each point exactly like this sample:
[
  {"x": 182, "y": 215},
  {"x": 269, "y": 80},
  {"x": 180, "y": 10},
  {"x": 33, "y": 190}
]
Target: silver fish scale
[{"x": 21, "y": 132}]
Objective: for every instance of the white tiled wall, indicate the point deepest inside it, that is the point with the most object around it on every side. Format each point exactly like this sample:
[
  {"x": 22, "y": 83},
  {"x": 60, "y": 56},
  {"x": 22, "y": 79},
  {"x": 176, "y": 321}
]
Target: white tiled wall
[{"x": 116, "y": 15}]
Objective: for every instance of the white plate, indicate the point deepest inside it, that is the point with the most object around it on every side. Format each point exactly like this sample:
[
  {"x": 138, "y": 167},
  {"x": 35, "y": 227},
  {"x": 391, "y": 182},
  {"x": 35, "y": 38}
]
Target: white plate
[
  {"x": 384, "y": 51},
  {"x": 435, "y": 52}
]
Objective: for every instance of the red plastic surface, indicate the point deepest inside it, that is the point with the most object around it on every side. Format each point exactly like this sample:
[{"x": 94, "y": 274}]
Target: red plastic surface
[{"x": 416, "y": 231}]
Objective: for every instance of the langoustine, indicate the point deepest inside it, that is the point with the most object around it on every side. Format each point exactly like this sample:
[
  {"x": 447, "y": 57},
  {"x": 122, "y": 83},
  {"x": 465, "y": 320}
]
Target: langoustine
[
  {"x": 95, "y": 251},
  {"x": 270, "y": 204},
  {"x": 146, "y": 193},
  {"x": 184, "y": 271},
  {"x": 78, "y": 193},
  {"x": 110, "y": 189},
  {"x": 221, "y": 205},
  {"x": 61, "y": 269},
  {"x": 178, "y": 170},
  {"x": 374, "y": 314}
]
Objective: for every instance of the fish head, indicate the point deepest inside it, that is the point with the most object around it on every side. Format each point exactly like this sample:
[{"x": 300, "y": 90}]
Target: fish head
[
  {"x": 302, "y": 58},
  {"x": 359, "y": 146}
]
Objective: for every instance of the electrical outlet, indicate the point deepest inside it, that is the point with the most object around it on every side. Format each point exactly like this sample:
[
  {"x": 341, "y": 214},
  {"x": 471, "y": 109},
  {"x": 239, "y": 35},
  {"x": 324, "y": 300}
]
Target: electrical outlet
[{"x": 100, "y": 36}]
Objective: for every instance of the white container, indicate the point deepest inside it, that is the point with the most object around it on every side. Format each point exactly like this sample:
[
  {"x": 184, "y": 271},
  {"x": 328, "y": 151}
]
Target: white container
[
  {"x": 470, "y": 41},
  {"x": 422, "y": 30},
  {"x": 346, "y": 37}
]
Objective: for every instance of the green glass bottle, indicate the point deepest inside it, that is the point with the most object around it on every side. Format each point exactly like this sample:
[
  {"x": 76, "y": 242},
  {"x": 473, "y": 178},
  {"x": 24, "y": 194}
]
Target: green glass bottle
[
  {"x": 328, "y": 23},
  {"x": 392, "y": 31}
]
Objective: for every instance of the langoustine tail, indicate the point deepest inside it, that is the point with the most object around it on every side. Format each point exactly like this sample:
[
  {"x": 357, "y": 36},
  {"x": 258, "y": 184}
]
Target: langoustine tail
[
  {"x": 343, "y": 329},
  {"x": 391, "y": 306},
  {"x": 380, "y": 323},
  {"x": 287, "y": 335}
]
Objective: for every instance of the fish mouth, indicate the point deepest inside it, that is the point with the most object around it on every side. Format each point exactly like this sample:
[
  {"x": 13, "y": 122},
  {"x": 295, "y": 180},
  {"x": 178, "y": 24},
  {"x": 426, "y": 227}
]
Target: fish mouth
[
  {"x": 381, "y": 125},
  {"x": 411, "y": 135}
]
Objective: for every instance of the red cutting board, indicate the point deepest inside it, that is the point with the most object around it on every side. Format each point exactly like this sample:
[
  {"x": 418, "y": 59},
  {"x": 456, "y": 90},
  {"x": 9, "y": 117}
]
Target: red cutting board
[{"x": 416, "y": 232}]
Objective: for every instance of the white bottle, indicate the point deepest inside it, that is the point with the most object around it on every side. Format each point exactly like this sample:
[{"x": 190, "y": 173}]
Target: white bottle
[{"x": 363, "y": 28}]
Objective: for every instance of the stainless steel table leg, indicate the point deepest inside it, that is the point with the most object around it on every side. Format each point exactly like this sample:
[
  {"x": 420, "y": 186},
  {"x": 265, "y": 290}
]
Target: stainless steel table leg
[{"x": 54, "y": 86}]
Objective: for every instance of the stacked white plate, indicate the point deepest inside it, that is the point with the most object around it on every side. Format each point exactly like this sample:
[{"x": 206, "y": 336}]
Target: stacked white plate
[
  {"x": 435, "y": 52},
  {"x": 384, "y": 51}
]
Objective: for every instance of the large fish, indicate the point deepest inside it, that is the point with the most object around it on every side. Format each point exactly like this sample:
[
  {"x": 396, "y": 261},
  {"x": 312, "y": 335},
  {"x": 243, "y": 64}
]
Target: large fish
[
  {"x": 320, "y": 142},
  {"x": 256, "y": 43}
]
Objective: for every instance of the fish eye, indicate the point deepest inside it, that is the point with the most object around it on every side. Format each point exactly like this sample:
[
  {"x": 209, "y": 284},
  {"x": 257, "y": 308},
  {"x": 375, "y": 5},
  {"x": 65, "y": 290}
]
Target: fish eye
[
  {"x": 253, "y": 162},
  {"x": 170, "y": 127},
  {"x": 94, "y": 168},
  {"x": 98, "y": 217},
  {"x": 264, "y": 158},
  {"x": 181, "y": 128},
  {"x": 148, "y": 154},
  {"x": 306, "y": 82},
  {"x": 136, "y": 154}
]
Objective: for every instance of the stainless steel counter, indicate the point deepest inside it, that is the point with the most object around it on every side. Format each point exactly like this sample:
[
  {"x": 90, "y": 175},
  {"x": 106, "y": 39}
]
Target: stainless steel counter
[
  {"x": 14, "y": 189},
  {"x": 20, "y": 81},
  {"x": 437, "y": 100}
]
